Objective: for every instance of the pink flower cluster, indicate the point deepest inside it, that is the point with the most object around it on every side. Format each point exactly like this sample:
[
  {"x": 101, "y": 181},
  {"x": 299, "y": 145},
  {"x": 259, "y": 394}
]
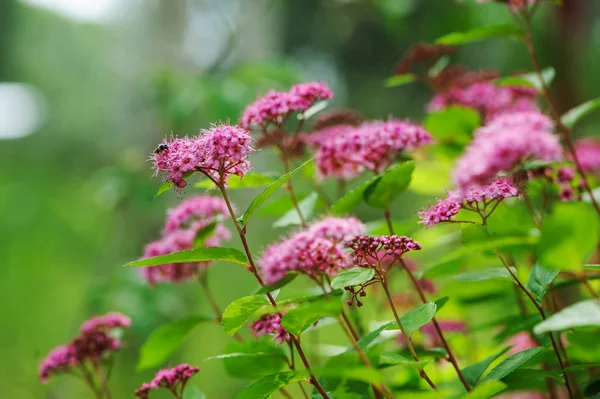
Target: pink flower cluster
[
  {"x": 94, "y": 343},
  {"x": 503, "y": 144},
  {"x": 272, "y": 107},
  {"x": 369, "y": 251},
  {"x": 218, "y": 152},
  {"x": 174, "y": 379},
  {"x": 270, "y": 324},
  {"x": 488, "y": 99},
  {"x": 446, "y": 209},
  {"x": 345, "y": 151},
  {"x": 315, "y": 251},
  {"x": 588, "y": 154},
  {"x": 179, "y": 234}
]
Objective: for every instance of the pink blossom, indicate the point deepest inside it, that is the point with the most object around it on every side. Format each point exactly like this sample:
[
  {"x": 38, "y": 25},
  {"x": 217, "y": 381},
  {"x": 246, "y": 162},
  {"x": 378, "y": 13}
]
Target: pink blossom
[
  {"x": 345, "y": 152},
  {"x": 218, "y": 152},
  {"x": 106, "y": 322},
  {"x": 520, "y": 342},
  {"x": 566, "y": 194},
  {"x": 174, "y": 379},
  {"x": 490, "y": 100},
  {"x": 272, "y": 107},
  {"x": 504, "y": 143},
  {"x": 270, "y": 324},
  {"x": 143, "y": 391},
  {"x": 315, "y": 251},
  {"x": 198, "y": 208},
  {"x": 443, "y": 211},
  {"x": 369, "y": 251},
  {"x": 588, "y": 154},
  {"x": 565, "y": 175},
  {"x": 95, "y": 345},
  {"x": 60, "y": 359}
]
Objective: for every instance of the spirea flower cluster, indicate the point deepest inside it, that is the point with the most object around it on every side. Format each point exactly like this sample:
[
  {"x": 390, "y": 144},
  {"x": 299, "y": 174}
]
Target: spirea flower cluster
[
  {"x": 488, "y": 99},
  {"x": 369, "y": 251},
  {"x": 95, "y": 342},
  {"x": 447, "y": 208},
  {"x": 181, "y": 229},
  {"x": 275, "y": 105},
  {"x": 270, "y": 324},
  {"x": 345, "y": 151},
  {"x": 218, "y": 152},
  {"x": 504, "y": 143},
  {"x": 173, "y": 379},
  {"x": 588, "y": 154},
  {"x": 315, "y": 251}
]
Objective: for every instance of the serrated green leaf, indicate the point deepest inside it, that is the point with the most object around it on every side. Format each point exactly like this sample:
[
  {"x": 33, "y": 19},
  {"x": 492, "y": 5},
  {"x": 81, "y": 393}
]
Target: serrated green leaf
[
  {"x": 479, "y": 34},
  {"x": 485, "y": 274},
  {"x": 250, "y": 180},
  {"x": 581, "y": 314},
  {"x": 474, "y": 372},
  {"x": 267, "y": 193},
  {"x": 486, "y": 390},
  {"x": 352, "y": 277},
  {"x": 418, "y": 317},
  {"x": 539, "y": 280},
  {"x": 574, "y": 115},
  {"x": 267, "y": 385},
  {"x": 569, "y": 237},
  {"x": 307, "y": 207},
  {"x": 253, "y": 358},
  {"x": 165, "y": 340},
  {"x": 400, "y": 80},
  {"x": 352, "y": 198},
  {"x": 368, "y": 339},
  {"x": 299, "y": 319},
  {"x": 194, "y": 255},
  {"x": 288, "y": 278},
  {"x": 455, "y": 124},
  {"x": 392, "y": 183},
  {"x": 240, "y": 310},
  {"x": 511, "y": 364}
]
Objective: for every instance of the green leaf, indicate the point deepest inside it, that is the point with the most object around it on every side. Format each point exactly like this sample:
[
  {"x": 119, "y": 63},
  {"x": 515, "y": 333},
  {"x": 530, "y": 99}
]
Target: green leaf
[
  {"x": 400, "y": 80},
  {"x": 307, "y": 207},
  {"x": 165, "y": 340},
  {"x": 240, "y": 310},
  {"x": 267, "y": 193},
  {"x": 572, "y": 116},
  {"x": 472, "y": 233},
  {"x": 193, "y": 393},
  {"x": 368, "y": 339},
  {"x": 356, "y": 373},
  {"x": 194, "y": 255},
  {"x": 288, "y": 278},
  {"x": 299, "y": 319},
  {"x": 582, "y": 367},
  {"x": 439, "y": 66},
  {"x": 569, "y": 237},
  {"x": 539, "y": 279},
  {"x": 250, "y": 180},
  {"x": 479, "y": 34},
  {"x": 529, "y": 79},
  {"x": 418, "y": 317},
  {"x": 511, "y": 364},
  {"x": 315, "y": 109},
  {"x": 392, "y": 183},
  {"x": 485, "y": 274},
  {"x": 266, "y": 386},
  {"x": 205, "y": 232},
  {"x": 440, "y": 302},
  {"x": 486, "y": 390},
  {"x": 581, "y": 314},
  {"x": 352, "y": 277},
  {"x": 591, "y": 267},
  {"x": 253, "y": 358},
  {"x": 352, "y": 198},
  {"x": 454, "y": 123},
  {"x": 474, "y": 372},
  {"x": 393, "y": 358}
]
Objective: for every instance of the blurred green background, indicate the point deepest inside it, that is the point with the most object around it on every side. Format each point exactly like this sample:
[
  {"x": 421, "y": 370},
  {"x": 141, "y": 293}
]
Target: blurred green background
[{"x": 87, "y": 90}]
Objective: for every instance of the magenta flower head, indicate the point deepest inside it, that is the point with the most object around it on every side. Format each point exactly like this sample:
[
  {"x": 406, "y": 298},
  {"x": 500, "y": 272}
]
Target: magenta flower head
[
  {"x": 374, "y": 252},
  {"x": 106, "y": 322},
  {"x": 201, "y": 208},
  {"x": 316, "y": 251},
  {"x": 443, "y": 211},
  {"x": 344, "y": 152},
  {"x": 588, "y": 154},
  {"x": 174, "y": 379},
  {"x": 218, "y": 152},
  {"x": 502, "y": 145},
  {"x": 488, "y": 99},
  {"x": 60, "y": 360},
  {"x": 275, "y": 105},
  {"x": 270, "y": 324}
]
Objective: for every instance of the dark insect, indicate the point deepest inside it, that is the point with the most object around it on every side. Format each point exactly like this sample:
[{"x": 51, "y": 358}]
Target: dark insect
[{"x": 161, "y": 148}]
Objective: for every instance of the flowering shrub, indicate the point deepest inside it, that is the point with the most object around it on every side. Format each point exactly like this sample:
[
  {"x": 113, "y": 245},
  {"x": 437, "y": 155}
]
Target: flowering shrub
[{"x": 522, "y": 205}]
